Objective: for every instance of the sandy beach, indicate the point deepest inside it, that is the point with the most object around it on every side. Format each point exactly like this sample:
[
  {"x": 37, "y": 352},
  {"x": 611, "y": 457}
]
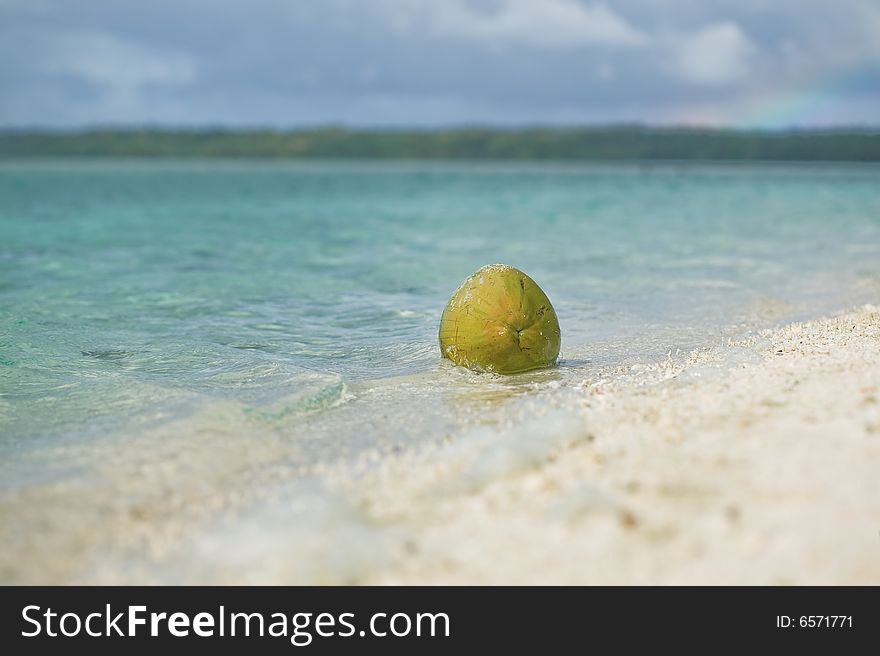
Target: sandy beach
[
  {"x": 756, "y": 463},
  {"x": 751, "y": 462}
]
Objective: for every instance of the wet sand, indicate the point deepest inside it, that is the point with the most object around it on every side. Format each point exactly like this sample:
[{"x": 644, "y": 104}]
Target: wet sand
[
  {"x": 754, "y": 467},
  {"x": 751, "y": 462}
]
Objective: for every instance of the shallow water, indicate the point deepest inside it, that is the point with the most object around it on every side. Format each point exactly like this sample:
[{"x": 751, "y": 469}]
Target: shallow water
[{"x": 290, "y": 309}]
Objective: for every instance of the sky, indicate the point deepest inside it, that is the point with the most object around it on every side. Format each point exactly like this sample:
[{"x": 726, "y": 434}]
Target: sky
[{"x": 434, "y": 63}]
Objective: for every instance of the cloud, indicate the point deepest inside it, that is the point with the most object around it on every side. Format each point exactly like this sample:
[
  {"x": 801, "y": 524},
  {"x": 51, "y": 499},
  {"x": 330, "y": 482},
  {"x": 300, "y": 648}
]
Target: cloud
[
  {"x": 714, "y": 55},
  {"x": 869, "y": 18},
  {"x": 547, "y": 25},
  {"x": 434, "y": 62},
  {"x": 117, "y": 66}
]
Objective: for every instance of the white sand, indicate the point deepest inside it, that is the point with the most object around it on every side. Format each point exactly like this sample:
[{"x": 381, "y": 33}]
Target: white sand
[
  {"x": 766, "y": 473},
  {"x": 756, "y": 462}
]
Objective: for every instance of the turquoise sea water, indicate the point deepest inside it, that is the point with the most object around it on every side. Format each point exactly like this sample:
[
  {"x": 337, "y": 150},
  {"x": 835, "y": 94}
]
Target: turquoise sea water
[{"x": 307, "y": 295}]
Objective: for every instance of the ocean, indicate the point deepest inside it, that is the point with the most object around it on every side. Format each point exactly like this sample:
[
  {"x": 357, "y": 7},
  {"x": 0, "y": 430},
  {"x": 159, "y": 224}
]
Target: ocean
[{"x": 173, "y": 332}]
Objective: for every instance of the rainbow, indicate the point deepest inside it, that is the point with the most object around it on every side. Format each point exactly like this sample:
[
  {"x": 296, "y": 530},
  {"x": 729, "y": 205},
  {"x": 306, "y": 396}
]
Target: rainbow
[{"x": 824, "y": 101}]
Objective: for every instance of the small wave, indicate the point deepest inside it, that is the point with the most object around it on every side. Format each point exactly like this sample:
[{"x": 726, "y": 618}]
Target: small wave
[
  {"x": 253, "y": 347},
  {"x": 108, "y": 354},
  {"x": 314, "y": 392},
  {"x": 406, "y": 313}
]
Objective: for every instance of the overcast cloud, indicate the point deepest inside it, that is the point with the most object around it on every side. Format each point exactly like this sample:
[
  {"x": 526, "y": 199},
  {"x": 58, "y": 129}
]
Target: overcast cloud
[{"x": 439, "y": 62}]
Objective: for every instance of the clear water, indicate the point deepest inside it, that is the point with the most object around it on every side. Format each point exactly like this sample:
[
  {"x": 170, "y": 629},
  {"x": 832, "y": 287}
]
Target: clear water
[
  {"x": 129, "y": 284},
  {"x": 296, "y": 304}
]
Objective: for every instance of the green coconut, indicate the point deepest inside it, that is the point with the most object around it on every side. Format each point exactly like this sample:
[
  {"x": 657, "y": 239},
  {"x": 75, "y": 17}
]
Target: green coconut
[{"x": 499, "y": 320}]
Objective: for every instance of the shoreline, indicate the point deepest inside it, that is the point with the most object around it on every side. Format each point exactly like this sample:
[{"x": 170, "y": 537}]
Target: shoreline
[{"x": 752, "y": 462}]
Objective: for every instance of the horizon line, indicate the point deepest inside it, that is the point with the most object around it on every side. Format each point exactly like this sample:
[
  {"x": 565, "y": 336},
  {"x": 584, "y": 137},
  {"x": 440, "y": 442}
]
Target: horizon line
[{"x": 452, "y": 127}]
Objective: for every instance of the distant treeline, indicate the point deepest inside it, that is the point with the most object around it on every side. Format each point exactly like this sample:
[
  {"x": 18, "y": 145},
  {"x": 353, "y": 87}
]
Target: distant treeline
[{"x": 609, "y": 143}]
